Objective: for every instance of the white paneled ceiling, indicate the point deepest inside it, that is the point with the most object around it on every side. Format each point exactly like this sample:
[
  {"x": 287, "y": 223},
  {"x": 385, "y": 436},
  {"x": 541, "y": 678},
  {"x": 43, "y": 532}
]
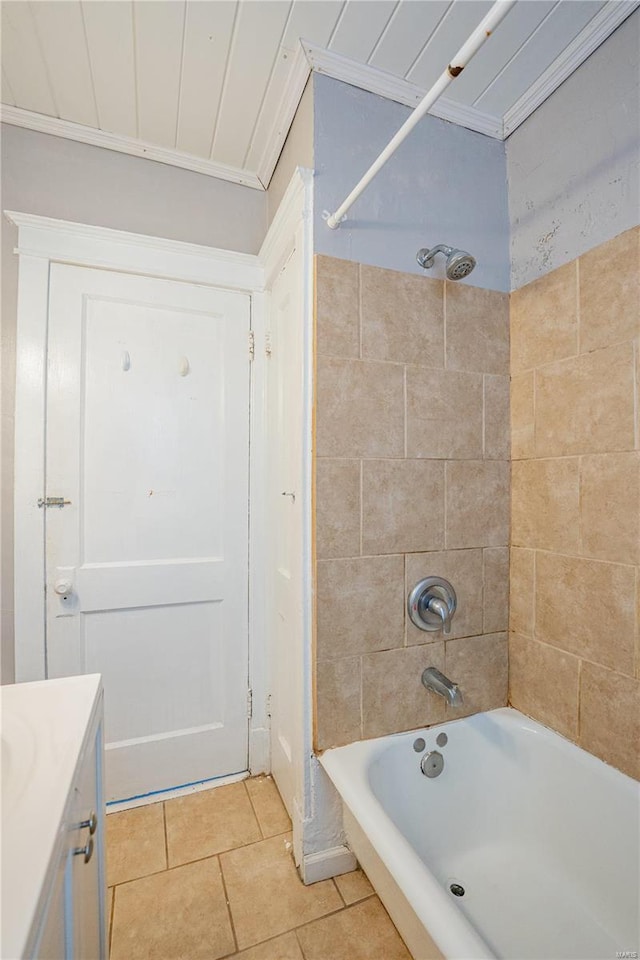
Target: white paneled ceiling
[{"x": 213, "y": 85}]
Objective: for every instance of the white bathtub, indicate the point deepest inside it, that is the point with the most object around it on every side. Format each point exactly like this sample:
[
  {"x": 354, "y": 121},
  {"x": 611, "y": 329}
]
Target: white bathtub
[{"x": 543, "y": 837}]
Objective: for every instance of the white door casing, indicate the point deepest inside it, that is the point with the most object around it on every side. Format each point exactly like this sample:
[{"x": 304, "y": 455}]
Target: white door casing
[
  {"x": 287, "y": 498},
  {"x": 147, "y": 436},
  {"x": 43, "y": 241},
  {"x": 289, "y": 244}
]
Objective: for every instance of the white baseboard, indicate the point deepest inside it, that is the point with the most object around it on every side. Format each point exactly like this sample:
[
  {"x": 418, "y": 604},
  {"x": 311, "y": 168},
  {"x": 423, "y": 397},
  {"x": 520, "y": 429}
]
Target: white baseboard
[{"x": 326, "y": 864}]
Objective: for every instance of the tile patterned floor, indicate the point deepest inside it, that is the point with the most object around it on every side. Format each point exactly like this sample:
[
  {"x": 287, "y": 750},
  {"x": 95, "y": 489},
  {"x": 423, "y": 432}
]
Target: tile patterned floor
[{"x": 211, "y": 875}]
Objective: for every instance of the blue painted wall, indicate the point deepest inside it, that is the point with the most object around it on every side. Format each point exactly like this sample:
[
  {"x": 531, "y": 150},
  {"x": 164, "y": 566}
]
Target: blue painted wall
[{"x": 445, "y": 184}]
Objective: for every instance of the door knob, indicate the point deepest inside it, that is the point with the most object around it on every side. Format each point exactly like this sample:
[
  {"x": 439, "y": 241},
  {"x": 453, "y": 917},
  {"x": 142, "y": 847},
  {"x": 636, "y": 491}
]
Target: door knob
[{"x": 63, "y": 587}]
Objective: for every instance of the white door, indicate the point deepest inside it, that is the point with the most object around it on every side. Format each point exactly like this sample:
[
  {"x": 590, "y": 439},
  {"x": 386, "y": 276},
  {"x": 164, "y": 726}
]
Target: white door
[
  {"x": 147, "y": 564},
  {"x": 286, "y": 494}
]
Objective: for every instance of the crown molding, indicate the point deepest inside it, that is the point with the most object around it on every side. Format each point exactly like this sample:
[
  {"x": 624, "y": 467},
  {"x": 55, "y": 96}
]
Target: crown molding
[
  {"x": 289, "y": 103},
  {"x": 596, "y": 32},
  {"x": 402, "y": 91},
  {"x": 87, "y": 245},
  {"x": 130, "y": 145},
  {"x": 310, "y": 57}
]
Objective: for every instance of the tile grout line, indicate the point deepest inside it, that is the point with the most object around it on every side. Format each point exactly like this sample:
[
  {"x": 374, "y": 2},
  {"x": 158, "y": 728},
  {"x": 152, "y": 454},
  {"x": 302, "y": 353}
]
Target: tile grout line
[
  {"x": 483, "y": 552},
  {"x": 361, "y": 664},
  {"x": 484, "y": 416},
  {"x": 297, "y": 938},
  {"x": 324, "y": 916},
  {"x": 111, "y": 916},
  {"x": 339, "y": 891},
  {"x": 534, "y": 390},
  {"x": 255, "y": 812},
  {"x": 444, "y": 504},
  {"x": 444, "y": 325},
  {"x": 580, "y": 657},
  {"x": 562, "y": 553},
  {"x": 579, "y": 703},
  {"x": 228, "y": 903},
  {"x": 405, "y": 632},
  {"x": 361, "y": 507},
  {"x": 166, "y": 839},
  {"x": 308, "y": 923},
  {"x": 636, "y": 389},
  {"x": 405, "y": 412},
  {"x": 580, "y": 504},
  {"x": 209, "y": 856}
]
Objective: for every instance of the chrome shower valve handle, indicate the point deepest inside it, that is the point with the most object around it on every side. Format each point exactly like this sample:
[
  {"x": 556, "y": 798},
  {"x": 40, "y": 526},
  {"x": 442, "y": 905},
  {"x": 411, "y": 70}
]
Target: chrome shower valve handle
[{"x": 432, "y": 604}]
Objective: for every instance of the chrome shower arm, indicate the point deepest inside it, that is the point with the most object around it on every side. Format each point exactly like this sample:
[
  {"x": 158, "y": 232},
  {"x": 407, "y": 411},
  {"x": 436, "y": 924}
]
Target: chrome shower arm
[{"x": 426, "y": 256}]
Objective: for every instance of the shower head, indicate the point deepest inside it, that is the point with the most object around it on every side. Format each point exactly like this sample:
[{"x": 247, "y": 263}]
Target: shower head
[{"x": 459, "y": 263}]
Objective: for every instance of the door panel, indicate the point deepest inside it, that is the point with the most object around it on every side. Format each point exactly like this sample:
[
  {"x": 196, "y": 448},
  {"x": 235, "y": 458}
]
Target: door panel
[
  {"x": 185, "y": 688},
  {"x": 104, "y": 586},
  {"x": 147, "y": 437},
  {"x": 120, "y": 517}
]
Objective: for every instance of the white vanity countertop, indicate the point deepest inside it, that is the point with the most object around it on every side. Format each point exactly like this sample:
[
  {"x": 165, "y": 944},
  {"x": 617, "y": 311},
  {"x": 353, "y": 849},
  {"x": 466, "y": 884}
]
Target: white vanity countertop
[{"x": 43, "y": 727}]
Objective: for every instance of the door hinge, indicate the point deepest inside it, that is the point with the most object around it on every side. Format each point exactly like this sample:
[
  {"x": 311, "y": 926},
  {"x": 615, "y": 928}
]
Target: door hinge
[
  {"x": 252, "y": 345},
  {"x": 267, "y": 344},
  {"x": 249, "y": 703}
]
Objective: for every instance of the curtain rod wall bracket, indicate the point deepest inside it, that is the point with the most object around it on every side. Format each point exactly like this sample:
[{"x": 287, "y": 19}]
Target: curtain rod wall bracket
[{"x": 331, "y": 220}]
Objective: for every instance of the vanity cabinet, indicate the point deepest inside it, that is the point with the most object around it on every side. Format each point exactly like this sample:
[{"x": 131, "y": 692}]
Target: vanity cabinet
[
  {"x": 64, "y": 918},
  {"x": 74, "y": 916}
]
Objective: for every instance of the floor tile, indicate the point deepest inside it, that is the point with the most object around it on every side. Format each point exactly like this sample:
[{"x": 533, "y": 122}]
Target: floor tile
[
  {"x": 361, "y": 932},
  {"x": 353, "y": 886},
  {"x": 180, "y": 914},
  {"x": 202, "y": 824},
  {"x": 266, "y": 894},
  {"x": 269, "y": 808},
  {"x": 135, "y": 843},
  {"x": 109, "y": 911},
  {"x": 280, "y": 948}
]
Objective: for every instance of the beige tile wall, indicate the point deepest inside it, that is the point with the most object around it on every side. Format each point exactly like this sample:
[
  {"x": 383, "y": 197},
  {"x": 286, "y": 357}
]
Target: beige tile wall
[
  {"x": 575, "y": 538},
  {"x": 412, "y": 479}
]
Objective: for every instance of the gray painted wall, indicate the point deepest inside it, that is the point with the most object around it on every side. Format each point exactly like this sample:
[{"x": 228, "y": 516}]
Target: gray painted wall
[
  {"x": 574, "y": 165},
  {"x": 53, "y": 177},
  {"x": 444, "y": 185},
  {"x": 73, "y": 181}
]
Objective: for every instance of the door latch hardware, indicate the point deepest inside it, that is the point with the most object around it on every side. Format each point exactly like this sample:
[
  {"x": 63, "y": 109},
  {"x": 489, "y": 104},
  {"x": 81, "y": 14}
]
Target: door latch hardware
[
  {"x": 53, "y": 502},
  {"x": 292, "y": 495},
  {"x": 91, "y": 823},
  {"x": 85, "y": 852}
]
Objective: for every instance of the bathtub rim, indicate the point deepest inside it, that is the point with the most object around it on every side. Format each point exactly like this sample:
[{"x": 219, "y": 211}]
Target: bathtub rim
[
  {"x": 452, "y": 933},
  {"x": 449, "y": 928}
]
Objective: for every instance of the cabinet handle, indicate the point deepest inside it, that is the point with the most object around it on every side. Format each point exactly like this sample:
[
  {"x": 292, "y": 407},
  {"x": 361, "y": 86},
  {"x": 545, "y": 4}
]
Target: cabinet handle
[
  {"x": 86, "y": 851},
  {"x": 92, "y": 823}
]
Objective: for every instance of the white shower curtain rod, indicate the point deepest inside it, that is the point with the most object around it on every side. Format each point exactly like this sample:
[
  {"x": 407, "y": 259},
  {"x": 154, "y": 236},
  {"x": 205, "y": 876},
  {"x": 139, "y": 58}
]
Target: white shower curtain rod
[{"x": 482, "y": 33}]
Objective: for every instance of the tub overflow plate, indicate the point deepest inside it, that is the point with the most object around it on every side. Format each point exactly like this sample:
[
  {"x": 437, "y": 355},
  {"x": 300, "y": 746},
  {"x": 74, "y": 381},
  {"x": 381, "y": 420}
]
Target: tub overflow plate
[{"x": 432, "y": 764}]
